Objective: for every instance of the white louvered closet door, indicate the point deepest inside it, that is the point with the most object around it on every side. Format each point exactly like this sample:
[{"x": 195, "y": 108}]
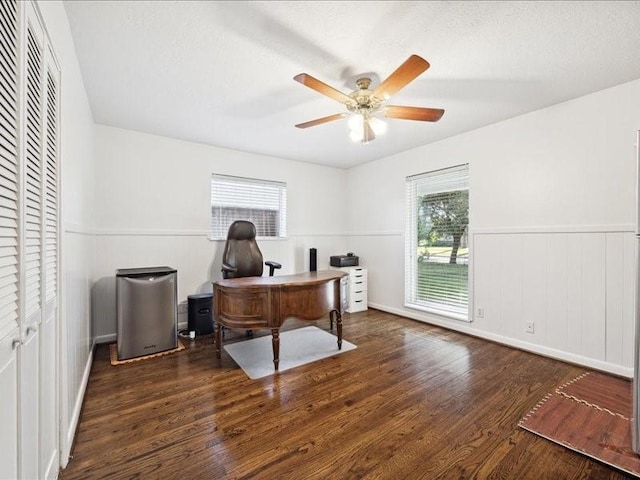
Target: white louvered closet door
[
  {"x": 32, "y": 183},
  {"x": 9, "y": 231},
  {"x": 51, "y": 187},
  {"x": 31, "y": 247},
  {"x": 48, "y": 446},
  {"x": 8, "y": 172},
  {"x": 29, "y": 188}
]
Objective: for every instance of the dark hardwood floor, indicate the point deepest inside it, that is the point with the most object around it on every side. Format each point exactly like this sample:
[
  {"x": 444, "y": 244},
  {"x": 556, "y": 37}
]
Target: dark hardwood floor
[{"x": 411, "y": 402}]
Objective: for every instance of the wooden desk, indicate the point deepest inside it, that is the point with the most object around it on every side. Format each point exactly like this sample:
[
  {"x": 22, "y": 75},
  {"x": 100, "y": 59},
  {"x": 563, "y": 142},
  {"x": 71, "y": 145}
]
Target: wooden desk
[{"x": 266, "y": 302}]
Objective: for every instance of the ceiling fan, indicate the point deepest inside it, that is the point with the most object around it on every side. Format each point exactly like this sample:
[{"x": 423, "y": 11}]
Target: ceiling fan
[{"x": 366, "y": 107}]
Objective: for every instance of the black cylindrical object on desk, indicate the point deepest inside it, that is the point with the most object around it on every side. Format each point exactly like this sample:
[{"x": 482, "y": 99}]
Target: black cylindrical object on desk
[{"x": 313, "y": 259}]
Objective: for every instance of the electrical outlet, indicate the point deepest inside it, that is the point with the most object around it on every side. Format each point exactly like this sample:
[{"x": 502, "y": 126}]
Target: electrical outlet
[
  {"x": 529, "y": 327},
  {"x": 480, "y": 313}
]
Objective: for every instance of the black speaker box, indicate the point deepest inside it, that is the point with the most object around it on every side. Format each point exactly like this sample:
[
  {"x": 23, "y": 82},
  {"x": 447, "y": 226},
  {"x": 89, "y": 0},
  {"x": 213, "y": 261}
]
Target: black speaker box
[
  {"x": 313, "y": 259},
  {"x": 200, "y": 313}
]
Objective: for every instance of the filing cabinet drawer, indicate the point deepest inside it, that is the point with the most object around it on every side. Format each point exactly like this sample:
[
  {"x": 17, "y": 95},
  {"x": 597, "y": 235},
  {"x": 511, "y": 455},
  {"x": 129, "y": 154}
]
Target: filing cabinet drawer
[
  {"x": 357, "y": 303},
  {"x": 358, "y": 275},
  {"x": 356, "y": 288},
  {"x": 357, "y": 296}
]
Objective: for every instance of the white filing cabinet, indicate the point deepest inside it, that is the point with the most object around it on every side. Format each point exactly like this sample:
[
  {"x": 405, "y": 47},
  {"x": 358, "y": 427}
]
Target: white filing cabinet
[{"x": 356, "y": 288}]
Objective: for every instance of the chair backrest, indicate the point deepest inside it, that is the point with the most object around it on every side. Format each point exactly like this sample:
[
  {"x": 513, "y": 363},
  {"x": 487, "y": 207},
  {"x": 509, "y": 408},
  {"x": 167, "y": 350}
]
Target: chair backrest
[{"x": 241, "y": 251}]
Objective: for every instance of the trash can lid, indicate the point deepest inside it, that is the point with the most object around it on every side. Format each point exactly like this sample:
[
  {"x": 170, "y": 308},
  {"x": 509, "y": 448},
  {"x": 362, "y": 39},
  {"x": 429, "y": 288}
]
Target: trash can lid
[
  {"x": 144, "y": 271},
  {"x": 200, "y": 295}
]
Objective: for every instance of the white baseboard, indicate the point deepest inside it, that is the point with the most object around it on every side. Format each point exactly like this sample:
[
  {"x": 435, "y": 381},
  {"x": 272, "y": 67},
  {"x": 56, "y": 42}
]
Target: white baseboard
[
  {"x": 108, "y": 338},
  {"x": 510, "y": 342},
  {"x": 75, "y": 414}
]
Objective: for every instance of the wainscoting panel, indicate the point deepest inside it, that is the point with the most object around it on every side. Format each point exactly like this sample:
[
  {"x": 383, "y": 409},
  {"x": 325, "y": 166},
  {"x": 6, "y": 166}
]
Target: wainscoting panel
[
  {"x": 557, "y": 288},
  {"x": 591, "y": 320},
  {"x": 615, "y": 295},
  {"x": 620, "y": 298},
  {"x": 510, "y": 276},
  {"x": 75, "y": 339},
  {"x": 535, "y": 286},
  {"x": 628, "y": 312},
  {"x": 577, "y": 288}
]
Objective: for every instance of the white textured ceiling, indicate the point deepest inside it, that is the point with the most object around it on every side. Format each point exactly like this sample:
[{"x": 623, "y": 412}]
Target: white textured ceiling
[{"x": 221, "y": 73}]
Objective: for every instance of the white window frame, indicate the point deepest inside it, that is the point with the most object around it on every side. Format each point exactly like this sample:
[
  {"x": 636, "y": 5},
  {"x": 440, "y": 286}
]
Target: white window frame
[
  {"x": 251, "y": 197},
  {"x": 446, "y": 179}
]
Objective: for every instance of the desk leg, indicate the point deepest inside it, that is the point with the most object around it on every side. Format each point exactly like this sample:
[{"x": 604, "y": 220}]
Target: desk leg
[
  {"x": 217, "y": 338},
  {"x": 339, "y": 327},
  {"x": 275, "y": 340}
]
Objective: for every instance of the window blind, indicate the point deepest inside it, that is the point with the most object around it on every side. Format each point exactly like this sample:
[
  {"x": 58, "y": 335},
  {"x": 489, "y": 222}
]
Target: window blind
[
  {"x": 9, "y": 279},
  {"x": 262, "y": 202},
  {"x": 436, "y": 241}
]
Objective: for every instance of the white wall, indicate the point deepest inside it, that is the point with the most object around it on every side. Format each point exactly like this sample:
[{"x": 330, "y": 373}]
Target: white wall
[
  {"x": 77, "y": 159},
  {"x": 153, "y": 208},
  {"x": 552, "y": 213}
]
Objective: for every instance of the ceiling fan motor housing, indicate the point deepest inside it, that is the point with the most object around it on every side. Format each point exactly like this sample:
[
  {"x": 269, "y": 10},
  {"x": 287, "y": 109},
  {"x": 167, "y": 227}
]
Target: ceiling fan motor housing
[{"x": 364, "y": 100}]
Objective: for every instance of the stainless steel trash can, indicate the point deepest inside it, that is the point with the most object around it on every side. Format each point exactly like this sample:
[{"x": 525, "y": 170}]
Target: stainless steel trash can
[{"x": 147, "y": 311}]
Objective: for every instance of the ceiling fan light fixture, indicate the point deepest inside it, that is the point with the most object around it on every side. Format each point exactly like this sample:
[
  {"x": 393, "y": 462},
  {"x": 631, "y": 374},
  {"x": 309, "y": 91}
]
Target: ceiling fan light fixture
[
  {"x": 356, "y": 135},
  {"x": 378, "y": 126},
  {"x": 364, "y": 127},
  {"x": 356, "y": 122}
]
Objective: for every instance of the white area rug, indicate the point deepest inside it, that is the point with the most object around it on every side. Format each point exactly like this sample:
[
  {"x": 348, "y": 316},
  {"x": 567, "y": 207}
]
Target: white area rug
[{"x": 297, "y": 347}]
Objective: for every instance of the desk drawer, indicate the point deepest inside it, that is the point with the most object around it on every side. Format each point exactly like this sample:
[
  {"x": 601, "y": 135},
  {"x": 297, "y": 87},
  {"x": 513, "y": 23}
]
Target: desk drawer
[{"x": 238, "y": 308}]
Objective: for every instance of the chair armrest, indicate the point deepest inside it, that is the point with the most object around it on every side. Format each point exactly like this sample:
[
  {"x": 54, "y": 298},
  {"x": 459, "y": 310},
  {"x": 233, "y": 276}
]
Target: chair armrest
[
  {"x": 226, "y": 268},
  {"x": 272, "y": 266}
]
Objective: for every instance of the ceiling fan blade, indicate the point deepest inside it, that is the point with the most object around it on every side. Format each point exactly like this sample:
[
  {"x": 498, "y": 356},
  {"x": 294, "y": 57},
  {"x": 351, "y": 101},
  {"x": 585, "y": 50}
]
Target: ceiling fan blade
[
  {"x": 404, "y": 74},
  {"x": 413, "y": 113},
  {"x": 320, "y": 121},
  {"x": 323, "y": 88}
]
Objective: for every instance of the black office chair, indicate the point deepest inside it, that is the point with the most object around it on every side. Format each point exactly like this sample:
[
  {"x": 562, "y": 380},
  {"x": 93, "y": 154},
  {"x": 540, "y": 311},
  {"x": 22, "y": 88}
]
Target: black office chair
[{"x": 241, "y": 256}]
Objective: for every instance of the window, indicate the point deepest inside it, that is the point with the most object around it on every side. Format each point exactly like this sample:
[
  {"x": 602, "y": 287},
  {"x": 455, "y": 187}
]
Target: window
[
  {"x": 262, "y": 202},
  {"x": 436, "y": 241}
]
